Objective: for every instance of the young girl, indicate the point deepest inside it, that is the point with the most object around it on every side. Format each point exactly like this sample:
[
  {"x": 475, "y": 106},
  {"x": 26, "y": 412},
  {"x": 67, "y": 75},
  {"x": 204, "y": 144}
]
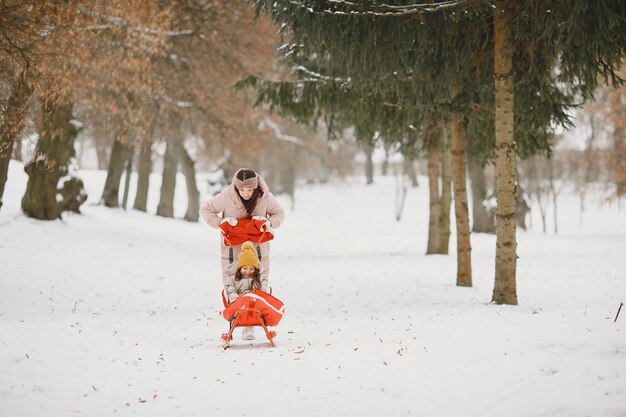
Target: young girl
[{"x": 243, "y": 277}]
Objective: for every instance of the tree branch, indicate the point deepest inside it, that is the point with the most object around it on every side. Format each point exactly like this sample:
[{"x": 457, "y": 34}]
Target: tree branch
[{"x": 342, "y": 7}]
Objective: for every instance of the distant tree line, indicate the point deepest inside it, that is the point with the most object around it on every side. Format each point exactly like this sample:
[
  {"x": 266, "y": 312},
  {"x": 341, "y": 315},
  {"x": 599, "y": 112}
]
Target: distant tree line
[{"x": 136, "y": 82}]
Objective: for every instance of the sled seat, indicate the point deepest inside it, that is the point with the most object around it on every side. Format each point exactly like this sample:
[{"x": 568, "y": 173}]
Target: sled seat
[{"x": 257, "y": 308}]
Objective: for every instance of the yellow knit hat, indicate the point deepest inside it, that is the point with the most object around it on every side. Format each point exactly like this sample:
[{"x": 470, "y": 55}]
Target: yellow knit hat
[{"x": 248, "y": 256}]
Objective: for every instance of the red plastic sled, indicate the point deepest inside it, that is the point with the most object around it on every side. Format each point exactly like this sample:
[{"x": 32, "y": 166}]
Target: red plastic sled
[{"x": 257, "y": 308}]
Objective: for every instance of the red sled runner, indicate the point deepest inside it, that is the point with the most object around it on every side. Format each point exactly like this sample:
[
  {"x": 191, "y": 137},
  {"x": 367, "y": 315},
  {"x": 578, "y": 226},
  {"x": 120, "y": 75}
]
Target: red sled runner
[{"x": 257, "y": 308}]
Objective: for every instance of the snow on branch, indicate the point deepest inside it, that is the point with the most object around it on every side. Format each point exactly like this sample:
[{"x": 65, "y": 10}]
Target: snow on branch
[
  {"x": 344, "y": 7},
  {"x": 279, "y": 135},
  {"x": 177, "y": 103},
  {"x": 120, "y": 23},
  {"x": 169, "y": 32},
  {"x": 317, "y": 76}
]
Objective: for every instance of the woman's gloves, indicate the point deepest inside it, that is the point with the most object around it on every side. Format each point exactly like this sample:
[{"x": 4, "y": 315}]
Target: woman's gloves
[
  {"x": 263, "y": 219},
  {"x": 267, "y": 225},
  {"x": 230, "y": 220},
  {"x": 233, "y": 222}
]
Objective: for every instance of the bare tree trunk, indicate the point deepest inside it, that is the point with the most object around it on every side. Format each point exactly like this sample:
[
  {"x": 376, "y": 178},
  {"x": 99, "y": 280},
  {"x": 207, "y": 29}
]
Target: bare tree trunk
[
  {"x": 17, "y": 150},
  {"x": 11, "y": 127},
  {"x": 289, "y": 176},
  {"x": 482, "y": 220},
  {"x": 144, "y": 168},
  {"x": 188, "y": 169},
  {"x": 385, "y": 166},
  {"x": 5, "y": 148},
  {"x": 168, "y": 186},
  {"x": 435, "y": 202},
  {"x": 369, "y": 163},
  {"x": 119, "y": 155},
  {"x": 521, "y": 207},
  {"x": 463, "y": 244},
  {"x": 556, "y": 220},
  {"x": 504, "y": 291},
  {"x": 129, "y": 171},
  {"x": 554, "y": 193},
  {"x": 618, "y": 156},
  {"x": 446, "y": 192},
  {"x": 54, "y": 150},
  {"x": 102, "y": 152},
  {"x": 409, "y": 171}
]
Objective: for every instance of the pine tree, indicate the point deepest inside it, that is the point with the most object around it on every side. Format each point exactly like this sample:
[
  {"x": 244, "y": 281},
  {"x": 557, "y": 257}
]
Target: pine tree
[{"x": 525, "y": 61}]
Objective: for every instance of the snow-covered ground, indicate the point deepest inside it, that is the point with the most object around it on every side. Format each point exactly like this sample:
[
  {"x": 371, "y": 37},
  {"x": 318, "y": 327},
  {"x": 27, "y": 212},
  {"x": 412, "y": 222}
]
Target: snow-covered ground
[{"x": 117, "y": 313}]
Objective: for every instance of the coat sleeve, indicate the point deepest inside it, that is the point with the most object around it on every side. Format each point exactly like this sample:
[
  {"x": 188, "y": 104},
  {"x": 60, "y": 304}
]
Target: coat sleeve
[
  {"x": 209, "y": 212},
  {"x": 275, "y": 212},
  {"x": 229, "y": 283},
  {"x": 265, "y": 287}
]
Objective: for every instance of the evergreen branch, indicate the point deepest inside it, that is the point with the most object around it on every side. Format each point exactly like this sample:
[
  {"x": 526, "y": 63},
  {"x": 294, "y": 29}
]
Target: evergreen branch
[
  {"x": 316, "y": 76},
  {"x": 341, "y": 7},
  {"x": 407, "y": 7}
]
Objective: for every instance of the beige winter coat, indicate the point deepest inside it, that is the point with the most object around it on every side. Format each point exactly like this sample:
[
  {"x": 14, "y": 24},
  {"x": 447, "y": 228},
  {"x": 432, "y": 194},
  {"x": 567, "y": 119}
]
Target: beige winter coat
[
  {"x": 235, "y": 288},
  {"x": 228, "y": 204}
]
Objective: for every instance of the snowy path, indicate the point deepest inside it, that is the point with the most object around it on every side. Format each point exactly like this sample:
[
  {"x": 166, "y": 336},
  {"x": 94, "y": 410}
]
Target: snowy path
[{"x": 114, "y": 313}]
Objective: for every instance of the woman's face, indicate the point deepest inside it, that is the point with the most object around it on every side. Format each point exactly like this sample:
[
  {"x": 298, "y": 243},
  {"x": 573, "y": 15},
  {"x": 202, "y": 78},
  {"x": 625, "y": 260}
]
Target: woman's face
[
  {"x": 247, "y": 270},
  {"x": 246, "y": 193}
]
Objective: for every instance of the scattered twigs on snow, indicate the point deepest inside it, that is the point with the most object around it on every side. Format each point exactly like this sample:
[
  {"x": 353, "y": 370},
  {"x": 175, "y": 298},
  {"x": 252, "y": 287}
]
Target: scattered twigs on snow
[{"x": 618, "y": 310}]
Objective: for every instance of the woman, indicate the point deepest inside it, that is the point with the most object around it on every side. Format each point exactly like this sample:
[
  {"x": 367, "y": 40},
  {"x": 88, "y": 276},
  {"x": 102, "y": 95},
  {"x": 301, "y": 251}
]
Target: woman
[{"x": 247, "y": 197}]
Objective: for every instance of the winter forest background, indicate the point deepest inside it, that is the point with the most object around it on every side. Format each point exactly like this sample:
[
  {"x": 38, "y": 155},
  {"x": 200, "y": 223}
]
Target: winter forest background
[{"x": 453, "y": 173}]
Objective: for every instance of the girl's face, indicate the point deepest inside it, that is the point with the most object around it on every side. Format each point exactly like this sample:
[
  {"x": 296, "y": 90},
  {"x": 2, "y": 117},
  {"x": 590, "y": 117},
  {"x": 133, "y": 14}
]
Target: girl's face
[
  {"x": 246, "y": 193},
  {"x": 247, "y": 271}
]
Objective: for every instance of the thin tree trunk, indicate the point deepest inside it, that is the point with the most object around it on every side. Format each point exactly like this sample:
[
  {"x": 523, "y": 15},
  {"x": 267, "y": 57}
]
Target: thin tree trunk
[
  {"x": 409, "y": 171},
  {"x": 102, "y": 152},
  {"x": 168, "y": 186},
  {"x": 81, "y": 151},
  {"x": 385, "y": 166},
  {"x": 504, "y": 291},
  {"x": 5, "y": 148},
  {"x": 553, "y": 193},
  {"x": 119, "y": 155},
  {"x": 129, "y": 171},
  {"x": 17, "y": 149},
  {"x": 521, "y": 208},
  {"x": 482, "y": 220},
  {"x": 289, "y": 176},
  {"x": 446, "y": 193},
  {"x": 54, "y": 150},
  {"x": 11, "y": 127},
  {"x": 463, "y": 244},
  {"x": 188, "y": 169},
  {"x": 369, "y": 163},
  {"x": 618, "y": 156},
  {"x": 556, "y": 220},
  {"x": 144, "y": 168},
  {"x": 435, "y": 202}
]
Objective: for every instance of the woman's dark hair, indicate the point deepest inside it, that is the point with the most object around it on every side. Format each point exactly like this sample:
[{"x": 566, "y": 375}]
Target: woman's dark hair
[
  {"x": 256, "y": 278},
  {"x": 244, "y": 174}
]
